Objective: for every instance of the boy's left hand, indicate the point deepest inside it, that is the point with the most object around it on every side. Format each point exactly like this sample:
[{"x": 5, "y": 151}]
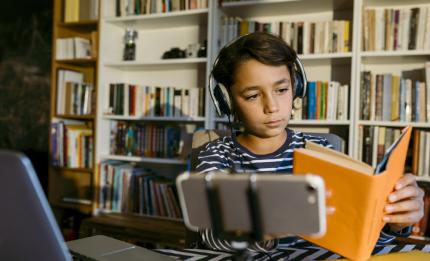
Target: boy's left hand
[{"x": 405, "y": 204}]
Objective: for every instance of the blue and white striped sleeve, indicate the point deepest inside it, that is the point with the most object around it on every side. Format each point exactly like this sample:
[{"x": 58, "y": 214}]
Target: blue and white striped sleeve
[
  {"x": 211, "y": 158},
  {"x": 387, "y": 236}
]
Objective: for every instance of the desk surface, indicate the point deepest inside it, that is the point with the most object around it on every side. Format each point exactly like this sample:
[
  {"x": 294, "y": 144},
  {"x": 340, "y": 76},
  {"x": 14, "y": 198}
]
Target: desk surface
[{"x": 299, "y": 251}]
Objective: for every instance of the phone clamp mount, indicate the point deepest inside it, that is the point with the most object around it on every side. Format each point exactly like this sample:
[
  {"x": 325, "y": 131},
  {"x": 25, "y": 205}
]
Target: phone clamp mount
[{"x": 239, "y": 241}]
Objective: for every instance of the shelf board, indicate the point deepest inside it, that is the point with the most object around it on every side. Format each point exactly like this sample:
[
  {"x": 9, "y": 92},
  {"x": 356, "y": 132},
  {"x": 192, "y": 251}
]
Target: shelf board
[
  {"x": 75, "y": 117},
  {"x": 252, "y": 2},
  {"x": 395, "y": 53},
  {"x": 162, "y": 20},
  {"x": 423, "y": 179},
  {"x": 80, "y": 61},
  {"x": 260, "y": 8},
  {"x": 134, "y": 216},
  {"x": 84, "y": 170},
  {"x": 306, "y": 122},
  {"x": 395, "y": 124},
  {"x": 145, "y": 159},
  {"x": 167, "y": 64},
  {"x": 170, "y": 119},
  {"x": 325, "y": 56},
  {"x": 319, "y": 122},
  {"x": 85, "y": 23},
  {"x": 87, "y": 209}
]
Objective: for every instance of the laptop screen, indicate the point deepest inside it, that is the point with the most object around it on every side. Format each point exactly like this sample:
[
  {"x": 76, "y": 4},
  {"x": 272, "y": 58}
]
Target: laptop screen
[{"x": 28, "y": 230}]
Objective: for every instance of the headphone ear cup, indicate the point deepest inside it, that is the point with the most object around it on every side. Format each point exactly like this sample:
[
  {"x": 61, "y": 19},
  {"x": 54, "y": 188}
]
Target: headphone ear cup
[
  {"x": 298, "y": 86},
  {"x": 300, "y": 79},
  {"x": 223, "y": 98}
]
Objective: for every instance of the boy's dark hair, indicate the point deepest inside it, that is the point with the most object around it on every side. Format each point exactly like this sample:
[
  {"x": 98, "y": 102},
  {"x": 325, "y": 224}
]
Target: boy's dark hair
[{"x": 266, "y": 48}]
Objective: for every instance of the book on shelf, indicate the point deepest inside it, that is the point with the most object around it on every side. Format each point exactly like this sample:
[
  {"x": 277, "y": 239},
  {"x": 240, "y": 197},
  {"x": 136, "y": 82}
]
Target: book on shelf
[
  {"x": 304, "y": 36},
  {"x": 324, "y": 101},
  {"x": 148, "y": 140},
  {"x": 80, "y": 10},
  {"x": 64, "y": 76},
  {"x": 375, "y": 140},
  {"x": 72, "y": 145},
  {"x": 154, "y": 101},
  {"x": 394, "y": 29},
  {"x": 130, "y": 7},
  {"x": 389, "y": 97},
  {"x": 74, "y": 48},
  {"x": 353, "y": 183},
  {"x": 127, "y": 188},
  {"x": 79, "y": 99}
]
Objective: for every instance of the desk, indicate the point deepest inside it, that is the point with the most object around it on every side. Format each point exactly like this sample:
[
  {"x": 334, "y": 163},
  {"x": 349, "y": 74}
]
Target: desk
[{"x": 301, "y": 250}]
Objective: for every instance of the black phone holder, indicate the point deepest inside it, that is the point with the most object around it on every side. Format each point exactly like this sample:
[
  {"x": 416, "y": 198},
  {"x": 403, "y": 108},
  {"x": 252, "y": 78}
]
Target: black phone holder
[{"x": 241, "y": 241}]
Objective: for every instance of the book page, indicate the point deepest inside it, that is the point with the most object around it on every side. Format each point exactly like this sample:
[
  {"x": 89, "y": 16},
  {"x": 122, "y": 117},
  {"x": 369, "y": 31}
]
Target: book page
[{"x": 316, "y": 147}]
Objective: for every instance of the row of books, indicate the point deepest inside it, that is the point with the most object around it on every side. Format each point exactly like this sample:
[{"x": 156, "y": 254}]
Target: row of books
[
  {"x": 388, "y": 97},
  {"x": 305, "y": 37},
  {"x": 74, "y": 48},
  {"x": 80, "y": 10},
  {"x": 125, "y": 188},
  {"x": 375, "y": 140},
  {"x": 140, "y": 100},
  {"x": 79, "y": 99},
  {"x": 141, "y": 7},
  {"x": 421, "y": 153},
  {"x": 147, "y": 140},
  {"x": 72, "y": 145},
  {"x": 396, "y": 29},
  {"x": 63, "y": 77},
  {"x": 324, "y": 101}
]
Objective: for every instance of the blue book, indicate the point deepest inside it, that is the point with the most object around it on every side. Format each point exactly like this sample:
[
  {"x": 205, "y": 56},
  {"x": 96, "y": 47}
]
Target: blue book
[{"x": 312, "y": 113}]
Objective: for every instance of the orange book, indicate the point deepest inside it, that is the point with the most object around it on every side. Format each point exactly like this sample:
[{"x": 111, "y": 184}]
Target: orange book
[{"x": 357, "y": 194}]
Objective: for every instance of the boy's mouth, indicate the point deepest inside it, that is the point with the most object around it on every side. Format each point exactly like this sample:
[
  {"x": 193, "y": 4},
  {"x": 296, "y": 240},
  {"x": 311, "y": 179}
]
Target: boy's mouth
[{"x": 273, "y": 123}]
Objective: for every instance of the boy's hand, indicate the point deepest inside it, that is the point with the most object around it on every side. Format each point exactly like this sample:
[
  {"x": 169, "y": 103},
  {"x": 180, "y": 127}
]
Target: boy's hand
[{"x": 405, "y": 204}]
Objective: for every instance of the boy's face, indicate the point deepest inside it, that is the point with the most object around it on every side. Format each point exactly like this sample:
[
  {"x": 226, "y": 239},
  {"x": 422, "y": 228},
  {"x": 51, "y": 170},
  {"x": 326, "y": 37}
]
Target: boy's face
[{"x": 262, "y": 97}]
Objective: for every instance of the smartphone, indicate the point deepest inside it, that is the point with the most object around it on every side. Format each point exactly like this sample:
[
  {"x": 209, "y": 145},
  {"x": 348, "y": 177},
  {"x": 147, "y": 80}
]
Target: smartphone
[{"x": 287, "y": 204}]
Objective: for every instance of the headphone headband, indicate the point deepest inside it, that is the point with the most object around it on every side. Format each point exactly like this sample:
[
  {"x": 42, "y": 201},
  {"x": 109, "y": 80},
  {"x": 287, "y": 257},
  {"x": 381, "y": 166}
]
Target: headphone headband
[{"x": 220, "y": 95}]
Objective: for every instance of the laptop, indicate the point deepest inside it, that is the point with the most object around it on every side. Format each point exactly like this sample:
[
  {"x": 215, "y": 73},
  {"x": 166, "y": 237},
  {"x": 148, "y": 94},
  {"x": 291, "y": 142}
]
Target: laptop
[{"x": 28, "y": 230}]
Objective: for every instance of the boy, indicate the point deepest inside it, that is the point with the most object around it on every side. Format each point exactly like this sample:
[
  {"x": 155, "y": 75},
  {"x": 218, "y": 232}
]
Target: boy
[{"x": 259, "y": 72}]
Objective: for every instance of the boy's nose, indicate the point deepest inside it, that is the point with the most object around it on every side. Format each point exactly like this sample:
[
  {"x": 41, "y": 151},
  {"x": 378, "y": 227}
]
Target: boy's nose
[{"x": 271, "y": 104}]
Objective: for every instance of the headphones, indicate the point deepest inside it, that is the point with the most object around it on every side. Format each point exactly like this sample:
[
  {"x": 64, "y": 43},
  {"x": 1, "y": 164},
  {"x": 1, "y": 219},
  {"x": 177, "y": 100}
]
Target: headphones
[{"x": 221, "y": 97}]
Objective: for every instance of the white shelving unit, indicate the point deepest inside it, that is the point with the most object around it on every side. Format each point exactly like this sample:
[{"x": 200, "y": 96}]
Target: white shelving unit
[
  {"x": 158, "y": 33},
  {"x": 380, "y": 62}
]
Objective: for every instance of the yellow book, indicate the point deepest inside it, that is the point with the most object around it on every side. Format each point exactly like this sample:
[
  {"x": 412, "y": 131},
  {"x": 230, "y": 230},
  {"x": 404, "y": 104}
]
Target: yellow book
[
  {"x": 395, "y": 99},
  {"x": 346, "y": 36},
  {"x": 357, "y": 194}
]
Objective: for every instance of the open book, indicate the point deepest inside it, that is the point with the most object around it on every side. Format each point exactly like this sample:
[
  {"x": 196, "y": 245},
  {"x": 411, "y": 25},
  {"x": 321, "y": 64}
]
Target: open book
[{"x": 358, "y": 193}]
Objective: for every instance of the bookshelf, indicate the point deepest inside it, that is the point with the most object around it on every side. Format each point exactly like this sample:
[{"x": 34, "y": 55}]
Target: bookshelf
[
  {"x": 70, "y": 188},
  {"x": 390, "y": 48},
  {"x": 160, "y": 31},
  {"x": 151, "y": 76}
]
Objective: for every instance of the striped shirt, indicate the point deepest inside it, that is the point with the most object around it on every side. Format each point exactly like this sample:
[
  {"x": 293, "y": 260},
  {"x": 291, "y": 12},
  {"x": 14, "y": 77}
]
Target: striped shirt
[{"x": 226, "y": 154}]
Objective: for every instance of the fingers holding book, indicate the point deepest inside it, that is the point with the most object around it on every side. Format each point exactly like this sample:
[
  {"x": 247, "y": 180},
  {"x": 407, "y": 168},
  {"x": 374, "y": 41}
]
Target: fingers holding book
[{"x": 405, "y": 205}]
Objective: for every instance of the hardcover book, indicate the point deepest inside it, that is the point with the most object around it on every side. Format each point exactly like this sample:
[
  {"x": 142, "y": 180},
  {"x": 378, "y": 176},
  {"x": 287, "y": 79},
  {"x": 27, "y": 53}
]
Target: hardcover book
[{"x": 358, "y": 193}]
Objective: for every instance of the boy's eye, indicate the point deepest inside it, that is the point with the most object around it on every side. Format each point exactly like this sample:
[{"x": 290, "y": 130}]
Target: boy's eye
[
  {"x": 283, "y": 90},
  {"x": 251, "y": 97}
]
